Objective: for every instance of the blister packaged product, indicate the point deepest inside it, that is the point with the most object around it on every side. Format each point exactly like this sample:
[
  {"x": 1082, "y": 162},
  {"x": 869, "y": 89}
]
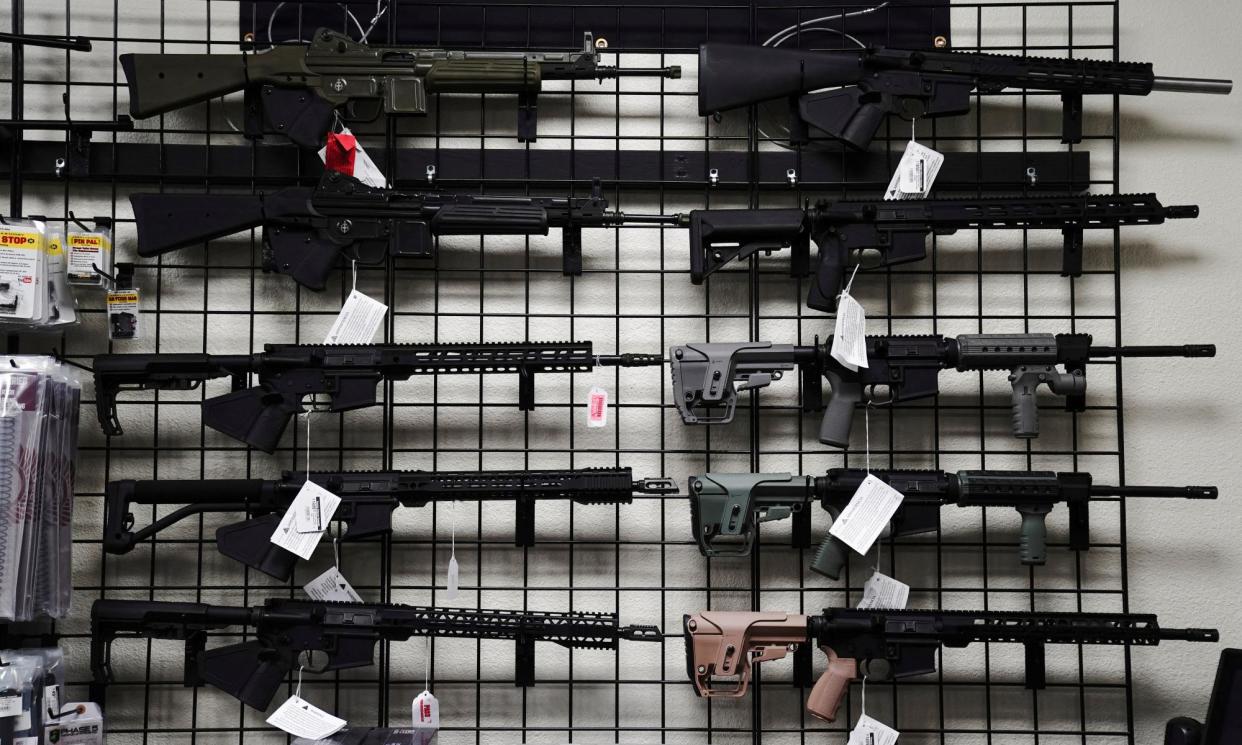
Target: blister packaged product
[
  {"x": 78, "y": 724},
  {"x": 23, "y": 272},
  {"x": 90, "y": 258},
  {"x": 18, "y": 701},
  {"x": 62, "y": 304}
]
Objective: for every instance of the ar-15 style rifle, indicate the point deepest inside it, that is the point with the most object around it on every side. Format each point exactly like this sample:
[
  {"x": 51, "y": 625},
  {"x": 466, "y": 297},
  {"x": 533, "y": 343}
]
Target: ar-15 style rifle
[
  {"x": 368, "y": 499},
  {"x": 704, "y": 375},
  {"x": 298, "y": 90},
  {"x": 897, "y": 231},
  {"x": 872, "y": 83},
  {"x": 293, "y": 633},
  {"x": 309, "y": 233},
  {"x": 722, "y": 647},
  {"x": 347, "y": 374},
  {"x": 726, "y": 508}
]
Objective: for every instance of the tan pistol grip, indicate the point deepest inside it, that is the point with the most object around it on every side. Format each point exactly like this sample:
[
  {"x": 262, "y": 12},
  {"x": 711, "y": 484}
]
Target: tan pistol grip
[{"x": 828, "y": 691}]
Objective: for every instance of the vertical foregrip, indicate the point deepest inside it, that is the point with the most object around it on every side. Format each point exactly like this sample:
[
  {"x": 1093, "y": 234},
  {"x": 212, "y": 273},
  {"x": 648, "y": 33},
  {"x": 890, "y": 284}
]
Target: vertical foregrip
[{"x": 1033, "y": 545}]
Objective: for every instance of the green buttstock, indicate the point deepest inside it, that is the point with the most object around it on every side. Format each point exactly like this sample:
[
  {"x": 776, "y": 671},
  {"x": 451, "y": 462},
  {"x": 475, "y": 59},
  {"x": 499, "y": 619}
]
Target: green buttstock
[
  {"x": 483, "y": 76},
  {"x": 163, "y": 82}
]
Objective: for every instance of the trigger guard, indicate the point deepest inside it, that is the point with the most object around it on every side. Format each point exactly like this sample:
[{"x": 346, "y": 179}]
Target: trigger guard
[
  {"x": 363, "y": 253},
  {"x": 876, "y": 669},
  {"x": 353, "y": 111}
]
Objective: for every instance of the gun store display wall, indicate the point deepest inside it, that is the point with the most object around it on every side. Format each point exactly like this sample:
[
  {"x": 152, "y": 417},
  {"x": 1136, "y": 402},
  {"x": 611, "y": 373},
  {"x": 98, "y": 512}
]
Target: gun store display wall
[{"x": 361, "y": 388}]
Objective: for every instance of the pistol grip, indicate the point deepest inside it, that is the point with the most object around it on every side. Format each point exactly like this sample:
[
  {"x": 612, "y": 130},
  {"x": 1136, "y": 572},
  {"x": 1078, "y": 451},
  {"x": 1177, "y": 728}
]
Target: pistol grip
[
  {"x": 830, "y": 558},
  {"x": 826, "y": 694},
  {"x": 839, "y": 417},
  {"x": 829, "y": 279}
]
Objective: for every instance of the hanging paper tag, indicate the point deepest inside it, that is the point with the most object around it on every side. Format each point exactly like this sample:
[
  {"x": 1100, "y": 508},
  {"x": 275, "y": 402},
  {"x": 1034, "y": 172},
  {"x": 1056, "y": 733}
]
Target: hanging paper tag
[
  {"x": 359, "y": 319},
  {"x": 454, "y": 573},
  {"x": 51, "y": 699},
  {"x": 426, "y": 711},
  {"x": 301, "y": 718},
  {"x": 308, "y": 516},
  {"x": 10, "y": 704},
  {"x": 332, "y": 586},
  {"x": 849, "y": 338},
  {"x": 868, "y": 731},
  {"x": 597, "y": 407},
  {"x": 915, "y": 174},
  {"x": 362, "y": 168},
  {"x": 339, "y": 152},
  {"x": 882, "y": 591},
  {"x": 867, "y": 514}
]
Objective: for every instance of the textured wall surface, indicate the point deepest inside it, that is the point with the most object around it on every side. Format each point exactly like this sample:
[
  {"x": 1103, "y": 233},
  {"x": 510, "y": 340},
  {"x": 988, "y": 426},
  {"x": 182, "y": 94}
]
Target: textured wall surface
[{"x": 1180, "y": 421}]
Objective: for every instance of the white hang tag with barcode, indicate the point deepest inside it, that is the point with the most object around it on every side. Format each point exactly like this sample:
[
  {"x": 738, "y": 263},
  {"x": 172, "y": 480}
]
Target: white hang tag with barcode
[
  {"x": 426, "y": 711},
  {"x": 868, "y": 731},
  {"x": 597, "y": 407},
  {"x": 331, "y": 586},
  {"x": 867, "y": 514},
  {"x": 10, "y": 704},
  {"x": 301, "y": 718},
  {"x": 849, "y": 337},
  {"x": 882, "y": 591},
  {"x": 915, "y": 174},
  {"x": 51, "y": 699},
  {"x": 307, "y": 518},
  {"x": 359, "y": 319}
]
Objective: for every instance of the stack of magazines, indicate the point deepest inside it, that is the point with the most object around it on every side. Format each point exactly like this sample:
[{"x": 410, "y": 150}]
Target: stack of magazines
[{"x": 38, "y": 444}]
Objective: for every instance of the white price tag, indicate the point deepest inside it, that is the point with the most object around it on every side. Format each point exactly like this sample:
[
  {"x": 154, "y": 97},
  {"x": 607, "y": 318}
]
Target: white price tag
[
  {"x": 867, "y": 514},
  {"x": 849, "y": 338},
  {"x": 331, "y": 585},
  {"x": 454, "y": 574},
  {"x": 301, "y": 718},
  {"x": 882, "y": 591},
  {"x": 871, "y": 732},
  {"x": 597, "y": 407},
  {"x": 426, "y": 711},
  {"x": 293, "y": 534},
  {"x": 359, "y": 319},
  {"x": 51, "y": 699},
  {"x": 10, "y": 704},
  {"x": 915, "y": 173},
  {"x": 26, "y": 740}
]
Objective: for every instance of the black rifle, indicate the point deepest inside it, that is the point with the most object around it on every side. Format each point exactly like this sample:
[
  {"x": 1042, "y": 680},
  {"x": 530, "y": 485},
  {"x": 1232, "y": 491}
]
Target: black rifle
[
  {"x": 368, "y": 499},
  {"x": 897, "y": 231},
  {"x": 297, "y": 90},
  {"x": 722, "y": 647},
  {"x": 293, "y": 633},
  {"x": 873, "y": 83},
  {"x": 308, "y": 233},
  {"x": 908, "y": 367},
  {"x": 1223, "y": 724},
  {"x": 347, "y": 374},
  {"x": 726, "y": 508}
]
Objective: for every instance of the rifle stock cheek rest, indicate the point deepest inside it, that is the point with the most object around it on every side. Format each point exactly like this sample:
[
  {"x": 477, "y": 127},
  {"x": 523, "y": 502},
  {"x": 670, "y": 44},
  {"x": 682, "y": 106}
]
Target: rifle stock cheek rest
[{"x": 167, "y": 222}]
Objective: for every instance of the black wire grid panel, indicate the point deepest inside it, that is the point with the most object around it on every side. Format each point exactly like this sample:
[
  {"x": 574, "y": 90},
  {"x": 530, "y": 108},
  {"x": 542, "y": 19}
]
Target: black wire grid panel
[{"x": 634, "y": 295}]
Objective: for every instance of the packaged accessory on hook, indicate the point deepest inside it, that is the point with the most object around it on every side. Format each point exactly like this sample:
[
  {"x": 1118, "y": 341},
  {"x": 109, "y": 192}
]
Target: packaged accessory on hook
[
  {"x": 34, "y": 289},
  {"x": 90, "y": 258},
  {"x": 39, "y": 400},
  {"x": 124, "y": 305}
]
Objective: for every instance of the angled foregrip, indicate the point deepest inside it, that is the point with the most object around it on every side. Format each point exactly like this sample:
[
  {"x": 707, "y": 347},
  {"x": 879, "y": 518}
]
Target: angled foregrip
[
  {"x": 167, "y": 222},
  {"x": 829, "y": 280},
  {"x": 1033, "y": 544},
  {"x": 839, "y": 417},
  {"x": 250, "y": 672},
  {"x": 483, "y": 76},
  {"x": 254, "y": 416},
  {"x": 826, "y": 694},
  {"x": 163, "y": 82},
  {"x": 830, "y": 558}
]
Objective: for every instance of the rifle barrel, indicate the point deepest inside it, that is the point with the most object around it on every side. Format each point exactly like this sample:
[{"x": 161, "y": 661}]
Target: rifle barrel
[
  {"x": 1166, "y": 492},
  {"x": 1190, "y": 635},
  {"x": 1185, "y": 350},
  {"x": 1192, "y": 85},
  {"x": 672, "y": 72}
]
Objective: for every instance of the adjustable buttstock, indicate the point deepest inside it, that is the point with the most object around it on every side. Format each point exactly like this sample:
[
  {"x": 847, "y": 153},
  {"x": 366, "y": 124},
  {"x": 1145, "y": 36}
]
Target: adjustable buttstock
[
  {"x": 735, "y": 75},
  {"x": 253, "y": 415},
  {"x": 251, "y": 672},
  {"x": 167, "y": 222},
  {"x": 163, "y": 82},
  {"x": 720, "y": 236}
]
